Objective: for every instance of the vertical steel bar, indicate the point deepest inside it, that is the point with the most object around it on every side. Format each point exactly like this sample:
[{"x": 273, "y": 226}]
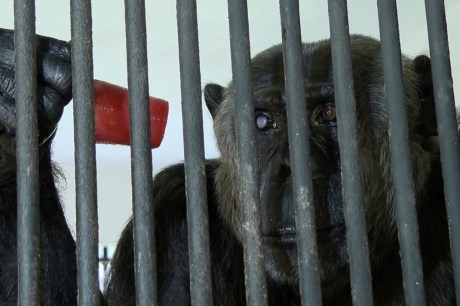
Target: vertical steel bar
[
  {"x": 85, "y": 153},
  {"x": 401, "y": 162},
  {"x": 299, "y": 135},
  {"x": 141, "y": 156},
  {"x": 447, "y": 124},
  {"x": 195, "y": 169},
  {"x": 28, "y": 200},
  {"x": 256, "y": 287},
  {"x": 358, "y": 252}
]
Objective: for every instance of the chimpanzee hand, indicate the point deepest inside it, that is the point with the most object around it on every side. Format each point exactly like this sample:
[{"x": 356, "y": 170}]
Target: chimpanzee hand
[{"x": 54, "y": 83}]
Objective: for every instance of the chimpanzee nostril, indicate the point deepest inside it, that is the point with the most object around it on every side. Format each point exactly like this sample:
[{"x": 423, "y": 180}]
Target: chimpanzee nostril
[{"x": 285, "y": 172}]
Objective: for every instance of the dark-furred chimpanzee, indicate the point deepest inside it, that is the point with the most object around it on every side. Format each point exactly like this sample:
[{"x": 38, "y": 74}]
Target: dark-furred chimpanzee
[
  {"x": 278, "y": 222},
  {"x": 58, "y": 255}
]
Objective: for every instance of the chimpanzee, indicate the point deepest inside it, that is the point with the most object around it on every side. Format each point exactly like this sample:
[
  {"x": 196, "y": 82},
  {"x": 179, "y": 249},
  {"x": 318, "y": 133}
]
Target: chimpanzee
[
  {"x": 57, "y": 252},
  {"x": 274, "y": 180}
]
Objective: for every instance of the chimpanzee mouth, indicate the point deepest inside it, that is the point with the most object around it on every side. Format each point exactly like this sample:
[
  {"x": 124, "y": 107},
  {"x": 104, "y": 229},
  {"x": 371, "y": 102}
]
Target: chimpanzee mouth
[
  {"x": 286, "y": 236},
  {"x": 283, "y": 237}
]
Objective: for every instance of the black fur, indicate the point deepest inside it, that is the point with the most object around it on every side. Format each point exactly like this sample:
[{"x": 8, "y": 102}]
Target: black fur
[{"x": 58, "y": 253}]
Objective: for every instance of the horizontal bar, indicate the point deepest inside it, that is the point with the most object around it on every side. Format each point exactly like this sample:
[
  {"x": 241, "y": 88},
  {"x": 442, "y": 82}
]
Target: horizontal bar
[
  {"x": 401, "y": 161},
  {"x": 358, "y": 252},
  {"x": 85, "y": 153},
  {"x": 256, "y": 287},
  {"x": 447, "y": 124},
  {"x": 195, "y": 175},
  {"x": 141, "y": 156},
  {"x": 299, "y": 147},
  {"x": 28, "y": 198}
]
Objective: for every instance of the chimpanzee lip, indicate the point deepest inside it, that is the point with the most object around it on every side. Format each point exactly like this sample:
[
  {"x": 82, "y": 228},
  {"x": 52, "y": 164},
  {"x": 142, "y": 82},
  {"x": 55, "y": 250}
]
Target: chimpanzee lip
[
  {"x": 282, "y": 237},
  {"x": 286, "y": 236}
]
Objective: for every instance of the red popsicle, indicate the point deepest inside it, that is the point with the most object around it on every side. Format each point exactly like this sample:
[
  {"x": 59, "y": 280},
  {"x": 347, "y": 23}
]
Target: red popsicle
[{"x": 112, "y": 115}]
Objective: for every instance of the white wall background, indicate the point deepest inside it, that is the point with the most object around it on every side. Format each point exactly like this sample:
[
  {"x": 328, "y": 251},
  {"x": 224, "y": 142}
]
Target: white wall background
[{"x": 114, "y": 185}]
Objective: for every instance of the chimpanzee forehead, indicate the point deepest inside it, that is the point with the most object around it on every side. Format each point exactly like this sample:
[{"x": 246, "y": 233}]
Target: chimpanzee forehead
[
  {"x": 317, "y": 70},
  {"x": 316, "y": 90},
  {"x": 268, "y": 66}
]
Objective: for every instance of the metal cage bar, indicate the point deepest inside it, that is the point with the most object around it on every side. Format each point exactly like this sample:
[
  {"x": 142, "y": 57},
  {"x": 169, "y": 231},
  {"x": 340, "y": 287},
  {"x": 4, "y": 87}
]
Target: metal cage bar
[
  {"x": 358, "y": 252},
  {"x": 28, "y": 197},
  {"x": 195, "y": 167},
  {"x": 144, "y": 230},
  {"x": 449, "y": 141},
  {"x": 256, "y": 287},
  {"x": 85, "y": 153},
  {"x": 299, "y": 140},
  {"x": 401, "y": 161},
  {"x": 141, "y": 156}
]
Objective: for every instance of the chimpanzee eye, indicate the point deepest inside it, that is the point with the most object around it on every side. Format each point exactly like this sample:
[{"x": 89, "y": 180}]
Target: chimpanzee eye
[
  {"x": 325, "y": 113},
  {"x": 264, "y": 121}
]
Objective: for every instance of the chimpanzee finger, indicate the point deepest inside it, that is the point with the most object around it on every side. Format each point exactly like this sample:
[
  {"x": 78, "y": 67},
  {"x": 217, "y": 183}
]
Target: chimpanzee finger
[
  {"x": 56, "y": 47},
  {"x": 7, "y": 82},
  {"x": 50, "y": 109},
  {"x": 7, "y": 106},
  {"x": 6, "y": 49},
  {"x": 6, "y": 39},
  {"x": 7, "y": 115},
  {"x": 56, "y": 73}
]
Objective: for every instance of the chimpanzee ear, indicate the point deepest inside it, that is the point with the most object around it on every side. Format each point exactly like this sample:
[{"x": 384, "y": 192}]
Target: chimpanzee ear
[
  {"x": 213, "y": 97},
  {"x": 422, "y": 68}
]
